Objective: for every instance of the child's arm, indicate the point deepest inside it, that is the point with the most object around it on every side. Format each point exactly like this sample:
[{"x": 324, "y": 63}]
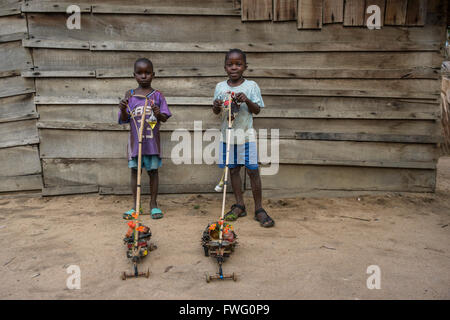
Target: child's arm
[
  {"x": 124, "y": 116},
  {"x": 160, "y": 116},
  {"x": 252, "y": 107}
]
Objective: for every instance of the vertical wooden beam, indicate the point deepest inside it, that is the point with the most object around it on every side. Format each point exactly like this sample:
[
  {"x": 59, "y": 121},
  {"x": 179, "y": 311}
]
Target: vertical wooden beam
[
  {"x": 284, "y": 10},
  {"x": 416, "y": 13},
  {"x": 395, "y": 12},
  {"x": 256, "y": 10},
  {"x": 309, "y": 14},
  {"x": 381, "y": 4},
  {"x": 333, "y": 11},
  {"x": 354, "y": 13}
]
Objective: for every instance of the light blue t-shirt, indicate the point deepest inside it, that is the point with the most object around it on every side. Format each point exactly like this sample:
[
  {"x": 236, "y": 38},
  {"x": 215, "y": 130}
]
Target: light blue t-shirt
[{"x": 243, "y": 122}]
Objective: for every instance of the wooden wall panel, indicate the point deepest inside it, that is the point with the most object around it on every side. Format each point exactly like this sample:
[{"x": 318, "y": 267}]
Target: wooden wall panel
[
  {"x": 354, "y": 13},
  {"x": 256, "y": 10},
  {"x": 308, "y": 177},
  {"x": 65, "y": 144},
  {"x": 12, "y": 28},
  {"x": 333, "y": 11},
  {"x": 21, "y": 183},
  {"x": 60, "y": 59},
  {"x": 19, "y": 161},
  {"x": 14, "y": 57},
  {"x": 416, "y": 13},
  {"x": 396, "y": 12},
  {"x": 190, "y": 178},
  {"x": 309, "y": 14},
  {"x": 204, "y": 87},
  {"x": 18, "y": 133},
  {"x": 16, "y": 106},
  {"x": 13, "y": 86},
  {"x": 106, "y": 27},
  {"x": 284, "y": 10}
]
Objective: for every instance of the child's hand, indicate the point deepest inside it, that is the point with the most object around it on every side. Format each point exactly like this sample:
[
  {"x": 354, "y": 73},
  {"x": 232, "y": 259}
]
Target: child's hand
[
  {"x": 156, "y": 110},
  {"x": 123, "y": 104},
  {"x": 241, "y": 97},
  {"x": 217, "y": 106}
]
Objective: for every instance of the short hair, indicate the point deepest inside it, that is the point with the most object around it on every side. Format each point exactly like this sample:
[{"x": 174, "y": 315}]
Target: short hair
[
  {"x": 239, "y": 51},
  {"x": 145, "y": 60}
]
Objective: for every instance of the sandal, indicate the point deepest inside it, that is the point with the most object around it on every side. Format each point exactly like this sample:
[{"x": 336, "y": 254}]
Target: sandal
[
  {"x": 129, "y": 214},
  {"x": 156, "y": 213},
  {"x": 231, "y": 216},
  {"x": 264, "y": 219}
]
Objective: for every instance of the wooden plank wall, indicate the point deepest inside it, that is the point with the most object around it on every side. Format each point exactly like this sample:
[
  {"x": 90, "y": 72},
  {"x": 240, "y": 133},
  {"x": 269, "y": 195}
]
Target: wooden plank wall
[
  {"x": 20, "y": 167},
  {"x": 357, "y": 109}
]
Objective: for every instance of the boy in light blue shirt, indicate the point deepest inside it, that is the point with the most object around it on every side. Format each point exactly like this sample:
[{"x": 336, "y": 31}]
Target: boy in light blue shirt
[{"x": 243, "y": 152}]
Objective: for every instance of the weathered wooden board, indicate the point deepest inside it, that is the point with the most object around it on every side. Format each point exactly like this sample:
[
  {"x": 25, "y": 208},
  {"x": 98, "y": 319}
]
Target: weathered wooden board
[
  {"x": 12, "y": 28},
  {"x": 107, "y": 27},
  {"x": 17, "y": 106},
  {"x": 10, "y": 7},
  {"x": 311, "y": 177},
  {"x": 354, "y": 13},
  {"x": 396, "y": 12},
  {"x": 172, "y": 178},
  {"x": 51, "y": 6},
  {"x": 14, "y": 57},
  {"x": 381, "y": 4},
  {"x": 196, "y": 87},
  {"x": 14, "y": 86},
  {"x": 60, "y": 59},
  {"x": 284, "y": 10},
  {"x": 82, "y": 144},
  {"x": 18, "y": 133},
  {"x": 170, "y": 10},
  {"x": 416, "y": 13},
  {"x": 66, "y": 190},
  {"x": 288, "y": 127},
  {"x": 292, "y": 107},
  {"x": 412, "y": 73},
  {"x": 256, "y": 10},
  {"x": 21, "y": 183},
  {"x": 19, "y": 161},
  {"x": 224, "y": 47},
  {"x": 309, "y": 14},
  {"x": 333, "y": 11},
  {"x": 351, "y": 153},
  {"x": 364, "y": 137}
]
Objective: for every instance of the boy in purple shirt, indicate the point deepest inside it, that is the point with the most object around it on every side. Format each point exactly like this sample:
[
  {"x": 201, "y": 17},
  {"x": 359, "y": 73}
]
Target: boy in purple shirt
[{"x": 156, "y": 111}]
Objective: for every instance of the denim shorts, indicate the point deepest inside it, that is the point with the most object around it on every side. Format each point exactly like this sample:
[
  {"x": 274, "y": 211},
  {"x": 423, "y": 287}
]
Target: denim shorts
[
  {"x": 151, "y": 162},
  {"x": 240, "y": 155}
]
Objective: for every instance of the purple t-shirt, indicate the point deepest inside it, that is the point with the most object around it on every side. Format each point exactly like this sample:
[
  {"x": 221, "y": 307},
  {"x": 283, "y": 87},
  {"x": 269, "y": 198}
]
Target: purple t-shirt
[{"x": 150, "y": 138}]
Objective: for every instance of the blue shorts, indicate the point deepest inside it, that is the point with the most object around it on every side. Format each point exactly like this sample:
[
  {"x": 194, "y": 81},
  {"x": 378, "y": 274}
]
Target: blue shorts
[
  {"x": 152, "y": 162},
  {"x": 240, "y": 154}
]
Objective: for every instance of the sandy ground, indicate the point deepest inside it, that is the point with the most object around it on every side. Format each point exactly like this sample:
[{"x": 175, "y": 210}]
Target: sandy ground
[{"x": 319, "y": 249}]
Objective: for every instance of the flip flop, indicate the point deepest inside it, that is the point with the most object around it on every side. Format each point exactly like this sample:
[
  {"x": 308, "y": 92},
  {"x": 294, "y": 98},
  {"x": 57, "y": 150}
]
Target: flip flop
[
  {"x": 156, "y": 213},
  {"x": 129, "y": 214}
]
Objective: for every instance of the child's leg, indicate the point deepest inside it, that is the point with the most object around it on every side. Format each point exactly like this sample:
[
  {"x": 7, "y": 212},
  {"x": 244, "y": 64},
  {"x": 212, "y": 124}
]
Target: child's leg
[
  {"x": 154, "y": 182},
  {"x": 260, "y": 214},
  {"x": 133, "y": 183},
  {"x": 236, "y": 183},
  {"x": 255, "y": 182}
]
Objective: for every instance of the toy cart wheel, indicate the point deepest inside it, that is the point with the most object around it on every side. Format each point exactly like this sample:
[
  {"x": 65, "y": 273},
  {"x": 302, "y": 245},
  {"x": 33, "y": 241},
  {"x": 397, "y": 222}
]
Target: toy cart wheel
[
  {"x": 208, "y": 278},
  {"x": 234, "y": 277},
  {"x": 206, "y": 249},
  {"x": 124, "y": 276},
  {"x": 136, "y": 270}
]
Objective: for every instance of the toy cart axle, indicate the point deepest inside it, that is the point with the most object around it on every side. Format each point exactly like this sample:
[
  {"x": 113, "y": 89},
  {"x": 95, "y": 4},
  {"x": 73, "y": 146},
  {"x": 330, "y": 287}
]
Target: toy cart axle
[{"x": 136, "y": 274}]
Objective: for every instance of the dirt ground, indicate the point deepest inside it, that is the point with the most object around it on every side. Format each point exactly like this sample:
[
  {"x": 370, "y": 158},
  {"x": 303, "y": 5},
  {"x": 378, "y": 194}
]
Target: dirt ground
[{"x": 319, "y": 248}]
